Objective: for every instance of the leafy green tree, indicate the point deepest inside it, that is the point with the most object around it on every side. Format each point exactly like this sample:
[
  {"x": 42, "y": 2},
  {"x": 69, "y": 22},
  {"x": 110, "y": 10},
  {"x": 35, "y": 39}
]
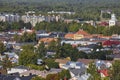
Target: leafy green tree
[
  {"x": 41, "y": 50},
  {"x": 74, "y": 27},
  {"x": 31, "y": 37},
  {"x": 98, "y": 46},
  {"x": 65, "y": 74},
  {"x": 36, "y": 67},
  {"x": 26, "y": 37},
  {"x": 51, "y": 63},
  {"x": 38, "y": 78},
  {"x": 53, "y": 77},
  {"x": 83, "y": 55},
  {"x": 17, "y": 38},
  {"x": 92, "y": 70},
  {"x": 15, "y": 26},
  {"x": 6, "y": 63},
  {"x": 28, "y": 47},
  {"x": 115, "y": 71},
  {"x": 4, "y": 26},
  {"x": 2, "y": 48},
  {"x": 27, "y": 55},
  {"x": 102, "y": 55},
  {"x": 66, "y": 50},
  {"x": 52, "y": 45},
  {"x": 28, "y": 25}
]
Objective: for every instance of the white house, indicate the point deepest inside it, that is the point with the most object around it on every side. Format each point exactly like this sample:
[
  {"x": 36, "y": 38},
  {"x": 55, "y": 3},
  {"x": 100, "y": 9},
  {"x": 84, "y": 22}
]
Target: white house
[
  {"x": 82, "y": 77},
  {"x": 12, "y": 56},
  {"x": 75, "y": 65},
  {"x": 106, "y": 64},
  {"x": 18, "y": 69}
]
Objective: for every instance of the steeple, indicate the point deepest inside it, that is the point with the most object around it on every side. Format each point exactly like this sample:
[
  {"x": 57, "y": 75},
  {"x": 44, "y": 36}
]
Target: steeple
[
  {"x": 113, "y": 17},
  {"x": 113, "y": 20}
]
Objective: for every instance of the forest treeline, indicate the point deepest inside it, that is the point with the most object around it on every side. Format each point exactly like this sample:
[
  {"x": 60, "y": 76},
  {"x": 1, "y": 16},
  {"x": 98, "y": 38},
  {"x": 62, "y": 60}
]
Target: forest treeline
[
  {"x": 61, "y": 27},
  {"x": 87, "y": 9}
]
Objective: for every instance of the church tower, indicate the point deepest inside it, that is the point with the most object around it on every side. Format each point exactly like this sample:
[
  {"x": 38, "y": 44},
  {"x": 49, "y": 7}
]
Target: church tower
[{"x": 113, "y": 20}]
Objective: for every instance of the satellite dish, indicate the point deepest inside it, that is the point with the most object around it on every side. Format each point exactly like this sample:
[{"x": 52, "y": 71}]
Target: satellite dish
[{"x": 47, "y": 68}]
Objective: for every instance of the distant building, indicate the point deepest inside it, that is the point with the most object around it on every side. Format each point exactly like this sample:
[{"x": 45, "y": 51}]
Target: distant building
[
  {"x": 69, "y": 36},
  {"x": 104, "y": 23},
  {"x": 51, "y": 18},
  {"x": 86, "y": 61},
  {"x": 40, "y": 73},
  {"x": 33, "y": 19},
  {"x": 2, "y": 18},
  {"x": 77, "y": 42},
  {"x": 71, "y": 20},
  {"x": 78, "y": 35},
  {"x": 73, "y": 65},
  {"x": 81, "y": 34},
  {"x": 47, "y": 40},
  {"x": 110, "y": 43},
  {"x": 9, "y": 17},
  {"x": 113, "y": 20},
  {"x": 62, "y": 62},
  {"x": 61, "y": 12}
]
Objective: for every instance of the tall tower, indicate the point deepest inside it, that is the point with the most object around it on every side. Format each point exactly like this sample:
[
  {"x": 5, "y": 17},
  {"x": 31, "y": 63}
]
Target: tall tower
[{"x": 113, "y": 20}]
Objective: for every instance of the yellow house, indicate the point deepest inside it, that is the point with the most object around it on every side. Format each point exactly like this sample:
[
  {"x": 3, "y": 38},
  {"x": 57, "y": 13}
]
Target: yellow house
[
  {"x": 78, "y": 35},
  {"x": 81, "y": 34},
  {"x": 62, "y": 61}
]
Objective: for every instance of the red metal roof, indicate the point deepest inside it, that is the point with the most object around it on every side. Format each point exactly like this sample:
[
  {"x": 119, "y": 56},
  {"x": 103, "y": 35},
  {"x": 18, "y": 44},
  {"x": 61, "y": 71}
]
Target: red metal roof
[
  {"x": 109, "y": 42},
  {"x": 105, "y": 72}
]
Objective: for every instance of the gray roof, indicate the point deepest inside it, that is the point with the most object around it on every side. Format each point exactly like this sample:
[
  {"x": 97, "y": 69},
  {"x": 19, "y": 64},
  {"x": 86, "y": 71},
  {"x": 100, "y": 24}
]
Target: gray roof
[
  {"x": 14, "y": 77},
  {"x": 77, "y": 72},
  {"x": 21, "y": 67},
  {"x": 116, "y": 55},
  {"x": 55, "y": 70}
]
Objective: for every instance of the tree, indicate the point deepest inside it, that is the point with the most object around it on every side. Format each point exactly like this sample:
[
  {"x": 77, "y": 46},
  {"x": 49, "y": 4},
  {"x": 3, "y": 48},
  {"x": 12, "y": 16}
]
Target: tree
[
  {"x": 6, "y": 63},
  {"x": 53, "y": 77},
  {"x": 66, "y": 50},
  {"x": 38, "y": 78},
  {"x": 36, "y": 67},
  {"x": 15, "y": 26},
  {"x": 4, "y": 26},
  {"x": 26, "y": 37},
  {"x": 17, "y": 37},
  {"x": 92, "y": 70},
  {"x": 115, "y": 71},
  {"x": 52, "y": 45},
  {"x": 102, "y": 55},
  {"x": 74, "y": 27},
  {"x": 83, "y": 55},
  {"x": 41, "y": 50},
  {"x": 51, "y": 63},
  {"x": 27, "y": 55},
  {"x": 65, "y": 74},
  {"x": 28, "y": 25},
  {"x": 28, "y": 47},
  {"x": 98, "y": 46},
  {"x": 2, "y": 48},
  {"x": 32, "y": 37}
]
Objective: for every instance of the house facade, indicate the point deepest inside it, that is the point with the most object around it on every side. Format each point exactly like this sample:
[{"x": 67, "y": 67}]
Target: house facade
[{"x": 78, "y": 35}]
